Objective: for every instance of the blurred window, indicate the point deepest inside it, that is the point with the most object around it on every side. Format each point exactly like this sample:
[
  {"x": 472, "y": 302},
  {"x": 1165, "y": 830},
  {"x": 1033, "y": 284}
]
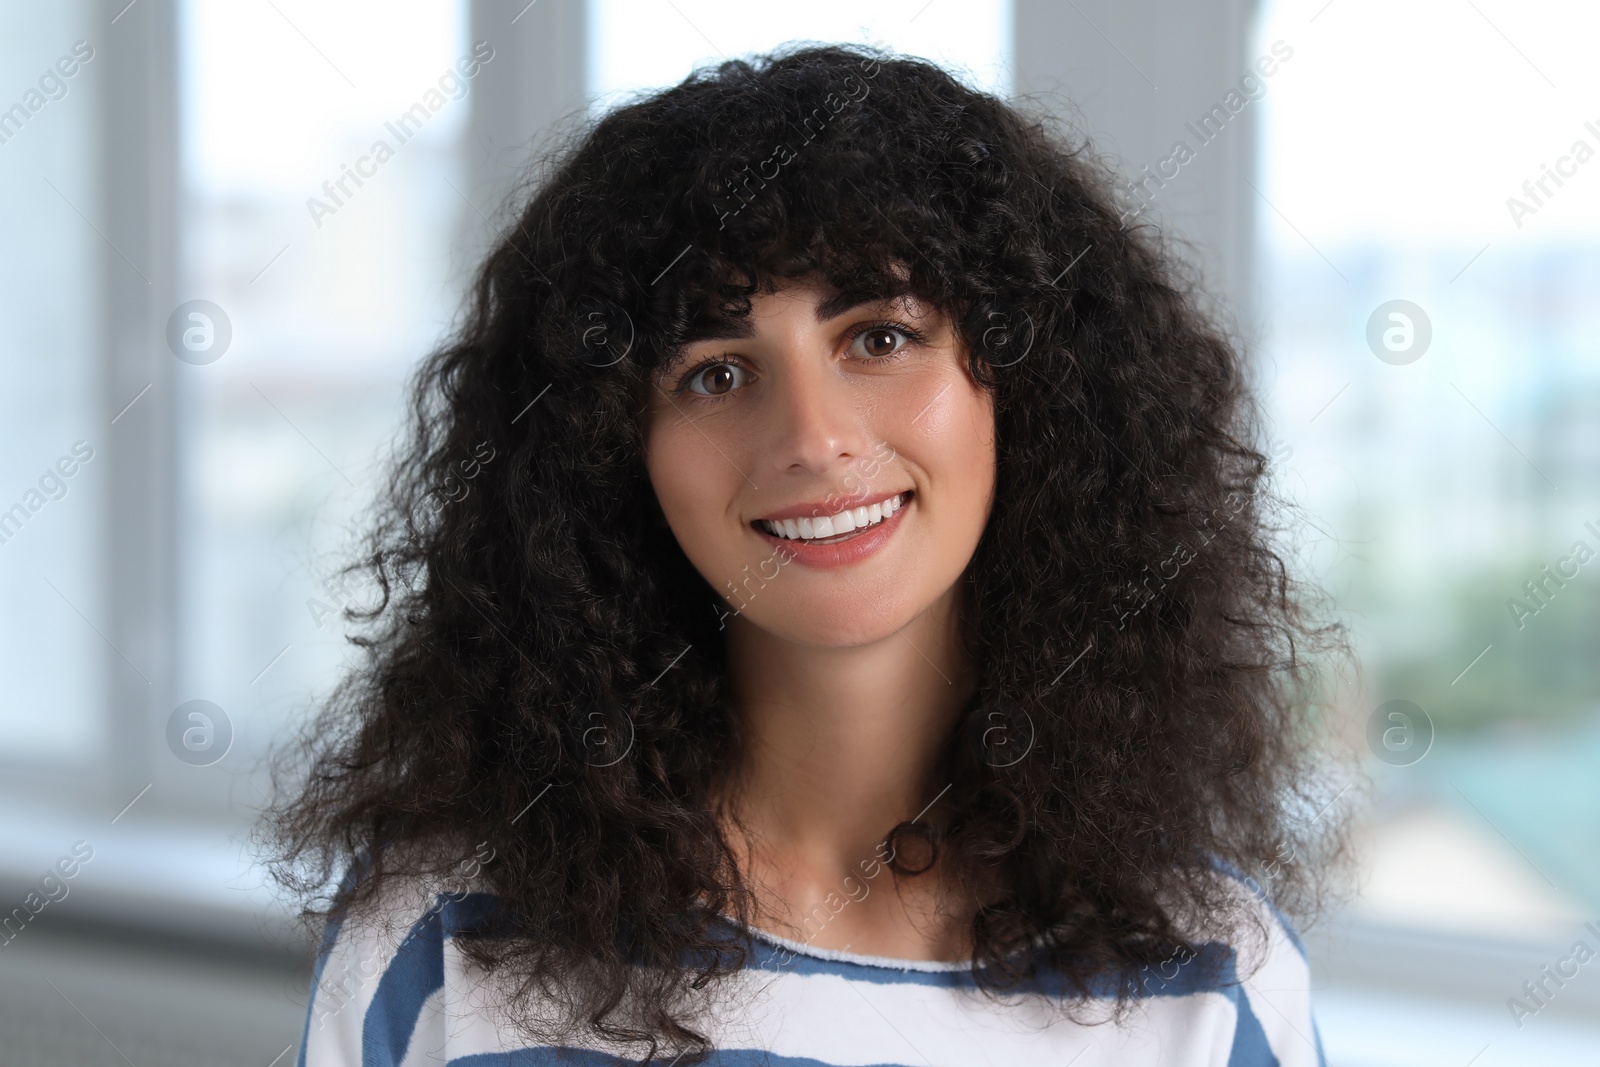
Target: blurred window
[
  {"x": 1429, "y": 216},
  {"x": 321, "y": 157},
  {"x": 53, "y": 430}
]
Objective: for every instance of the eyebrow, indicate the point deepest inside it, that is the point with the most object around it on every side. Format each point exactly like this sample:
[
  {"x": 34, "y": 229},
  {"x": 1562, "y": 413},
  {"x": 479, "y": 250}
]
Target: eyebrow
[{"x": 722, "y": 328}]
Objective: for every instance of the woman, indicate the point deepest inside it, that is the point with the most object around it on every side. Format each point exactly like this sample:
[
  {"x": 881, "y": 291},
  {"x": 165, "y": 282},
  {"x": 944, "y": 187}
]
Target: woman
[{"x": 825, "y": 614}]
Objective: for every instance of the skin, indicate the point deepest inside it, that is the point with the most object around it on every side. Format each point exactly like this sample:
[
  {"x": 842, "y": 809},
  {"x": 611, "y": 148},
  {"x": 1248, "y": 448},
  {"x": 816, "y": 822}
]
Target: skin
[{"x": 847, "y": 680}]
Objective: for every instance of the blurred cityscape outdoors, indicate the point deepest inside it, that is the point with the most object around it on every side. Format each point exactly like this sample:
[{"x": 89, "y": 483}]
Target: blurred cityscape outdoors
[
  {"x": 1443, "y": 470},
  {"x": 1447, "y": 476}
]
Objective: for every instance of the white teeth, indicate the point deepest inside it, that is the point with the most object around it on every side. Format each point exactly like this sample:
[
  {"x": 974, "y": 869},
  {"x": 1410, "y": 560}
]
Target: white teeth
[{"x": 813, "y": 528}]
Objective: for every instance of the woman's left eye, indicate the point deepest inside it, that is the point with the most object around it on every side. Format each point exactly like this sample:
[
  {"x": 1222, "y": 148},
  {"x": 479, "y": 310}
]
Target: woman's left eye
[{"x": 879, "y": 342}]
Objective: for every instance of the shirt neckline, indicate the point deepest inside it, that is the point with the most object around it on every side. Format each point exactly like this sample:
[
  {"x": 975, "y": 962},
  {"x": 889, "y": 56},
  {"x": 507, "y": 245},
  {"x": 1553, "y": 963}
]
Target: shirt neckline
[{"x": 862, "y": 959}]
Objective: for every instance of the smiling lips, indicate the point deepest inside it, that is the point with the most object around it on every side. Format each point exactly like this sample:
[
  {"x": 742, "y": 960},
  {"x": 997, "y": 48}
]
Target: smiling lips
[{"x": 803, "y": 524}]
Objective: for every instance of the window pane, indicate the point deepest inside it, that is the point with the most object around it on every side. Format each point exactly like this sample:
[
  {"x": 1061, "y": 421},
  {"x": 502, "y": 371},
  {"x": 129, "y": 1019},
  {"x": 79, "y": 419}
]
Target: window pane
[
  {"x": 53, "y": 433},
  {"x": 1429, "y": 286},
  {"x": 320, "y": 162}
]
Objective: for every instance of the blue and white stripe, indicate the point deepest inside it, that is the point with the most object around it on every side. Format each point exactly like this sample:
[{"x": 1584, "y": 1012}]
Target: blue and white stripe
[{"x": 395, "y": 991}]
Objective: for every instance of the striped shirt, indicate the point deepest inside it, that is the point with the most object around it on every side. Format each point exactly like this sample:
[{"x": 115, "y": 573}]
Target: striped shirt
[{"x": 399, "y": 993}]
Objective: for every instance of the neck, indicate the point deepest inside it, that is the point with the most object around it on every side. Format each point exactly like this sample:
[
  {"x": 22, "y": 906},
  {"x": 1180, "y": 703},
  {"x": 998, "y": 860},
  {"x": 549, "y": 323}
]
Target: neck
[{"x": 841, "y": 743}]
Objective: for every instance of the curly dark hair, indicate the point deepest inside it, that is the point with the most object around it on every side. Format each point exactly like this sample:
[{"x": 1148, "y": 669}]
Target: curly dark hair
[{"x": 544, "y": 670}]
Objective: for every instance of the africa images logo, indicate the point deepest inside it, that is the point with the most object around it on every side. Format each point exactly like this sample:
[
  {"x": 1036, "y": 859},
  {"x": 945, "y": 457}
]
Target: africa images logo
[
  {"x": 453, "y": 82},
  {"x": 1566, "y": 167},
  {"x": 1252, "y": 85}
]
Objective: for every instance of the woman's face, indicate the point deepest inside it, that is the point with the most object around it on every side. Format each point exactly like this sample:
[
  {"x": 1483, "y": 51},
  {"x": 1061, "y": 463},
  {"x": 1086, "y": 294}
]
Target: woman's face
[{"x": 829, "y": 470}]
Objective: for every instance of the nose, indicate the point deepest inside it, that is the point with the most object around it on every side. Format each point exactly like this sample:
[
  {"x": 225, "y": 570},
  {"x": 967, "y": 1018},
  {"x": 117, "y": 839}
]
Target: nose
[{"x": 815, "y": 424}]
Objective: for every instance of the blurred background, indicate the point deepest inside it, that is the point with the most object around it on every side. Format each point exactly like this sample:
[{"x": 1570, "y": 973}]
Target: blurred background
[{"x": 205, "y": 338}]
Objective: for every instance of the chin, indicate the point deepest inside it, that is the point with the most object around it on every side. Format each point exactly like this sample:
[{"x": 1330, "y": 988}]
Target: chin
[
  {"x": 843, "y": 616},
  {"x": 846, "y": 627}
]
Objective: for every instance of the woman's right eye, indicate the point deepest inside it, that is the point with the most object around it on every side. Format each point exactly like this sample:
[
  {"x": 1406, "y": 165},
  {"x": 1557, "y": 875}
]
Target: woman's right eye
[{"x": 714, "y": 379}]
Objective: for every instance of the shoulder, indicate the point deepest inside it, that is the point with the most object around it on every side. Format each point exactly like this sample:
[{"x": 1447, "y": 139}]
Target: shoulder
[
  {"x": 379, "y": 966},
  {"x": 1271, "y": 982}
]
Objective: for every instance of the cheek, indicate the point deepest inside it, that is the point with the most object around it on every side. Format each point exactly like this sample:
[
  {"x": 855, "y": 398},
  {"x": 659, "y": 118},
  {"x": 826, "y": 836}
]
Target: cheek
[
  {"x": 670, "y": 456},
  {"x": 951, "y": 424},
  {"x": 691, "y": 480},
  {"x": 973, "y": 460}
]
